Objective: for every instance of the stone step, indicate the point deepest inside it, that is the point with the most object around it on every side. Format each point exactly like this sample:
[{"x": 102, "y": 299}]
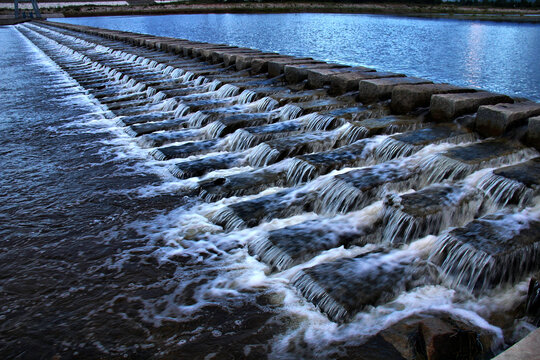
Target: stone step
[
  {"x": 319, "y": 77},
  {"x": 244, "y": 183},
  {"x": 344, "y": 287},
  {"x": 495, "y": 120},
  {"x": 272, "y": 151},
  {"x": 185, "y": 150},
  {"x": 378, "y": 126},
  {"x": 493, "y": 250},
  {"x": 251, "y": 213},
  {"x": 348, "y": 81},
  {"x": 167, "y": 125},
  {"x": 447, "y": 107},
  {"x": 252, "y": 136},
  {"x": 410, "y": 216},
  {"x": 308, "y": 167},
  {"x": 144, "y": 118},
  {"x": 292, "y": 245},
  {"x": 514, "y": 184},
  {"x": 295, "y": 73},
  {"x": 205, "y": 165},
  {"x": 159, "y": 139},
  {"x": 358, "y": 188},
  {"x": 381, "y": 89},
  {"x": 460, "y": 161},
  {"x": 406, "y": 98},
  {"x": 407, "y": 143}
]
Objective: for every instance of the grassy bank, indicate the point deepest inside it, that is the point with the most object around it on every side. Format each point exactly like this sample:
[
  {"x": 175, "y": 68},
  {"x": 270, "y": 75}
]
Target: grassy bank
[{"x": 415, "y": 10}]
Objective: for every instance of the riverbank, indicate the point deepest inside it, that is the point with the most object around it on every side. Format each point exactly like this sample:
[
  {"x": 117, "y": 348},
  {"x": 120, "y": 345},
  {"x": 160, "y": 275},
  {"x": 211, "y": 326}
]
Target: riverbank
[{"x": 416, "y": 10}]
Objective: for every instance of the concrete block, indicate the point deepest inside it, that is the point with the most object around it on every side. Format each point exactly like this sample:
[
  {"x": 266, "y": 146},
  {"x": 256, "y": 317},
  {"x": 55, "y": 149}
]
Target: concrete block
[
  {"x": 380, "y": 89},
  {"x": 259, "y": 63},
  {"x": 446, "y": 107},
  {"x": 348, "y": 81},
  {"x": 245, "y": 61},
  {"x": 494, "y": 120},
  {"x": 197, "y": 51},
  {"x": 206, "y": 53},
  {"x": 217, "y": 56},
  {"x": 177, "y": 47},
  {"x": 229, "y": 58},
  {"x": 406, "y": 98},
  {"x": 318, "y": 77},
  {"x": 276, "y": 67},
  {"x": 299, "y": 72},
  {"x": 188, "y": 48},
  {"x": 533, "y": 132},
  {"x": 527, "y": 348}
]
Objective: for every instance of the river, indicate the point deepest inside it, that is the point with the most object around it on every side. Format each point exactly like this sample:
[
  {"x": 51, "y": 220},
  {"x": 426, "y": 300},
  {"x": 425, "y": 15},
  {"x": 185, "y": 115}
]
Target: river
[
  {"x": 105, "y": 254},
  {"x": 500, "y": 57}
]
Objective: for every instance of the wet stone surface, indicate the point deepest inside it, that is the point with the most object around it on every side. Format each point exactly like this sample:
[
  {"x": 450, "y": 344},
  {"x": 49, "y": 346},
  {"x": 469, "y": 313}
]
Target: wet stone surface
[
  {"x": 527, "y": 173},
  {"x": 248, "y": 214},
  {"x": 344, "y": 287},
  {"x": 488, "y": 251}
]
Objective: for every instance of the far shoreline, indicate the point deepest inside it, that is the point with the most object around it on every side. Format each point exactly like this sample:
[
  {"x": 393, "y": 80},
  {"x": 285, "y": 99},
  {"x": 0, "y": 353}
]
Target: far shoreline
[{"x": 443, "y": 11}]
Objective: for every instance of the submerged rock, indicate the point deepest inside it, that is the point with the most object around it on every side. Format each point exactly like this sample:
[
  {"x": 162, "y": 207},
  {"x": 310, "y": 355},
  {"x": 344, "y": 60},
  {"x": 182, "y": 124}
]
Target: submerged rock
[
  {"x": 439, "y": 336},
  {"x": 533, "y": 300}
]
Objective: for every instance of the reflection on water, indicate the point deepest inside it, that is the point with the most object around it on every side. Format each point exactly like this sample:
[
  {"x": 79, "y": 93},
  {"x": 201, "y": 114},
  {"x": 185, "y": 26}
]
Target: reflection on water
[
  {"x": 476, "y": 41},
  {"x": 499, "y": 57}
]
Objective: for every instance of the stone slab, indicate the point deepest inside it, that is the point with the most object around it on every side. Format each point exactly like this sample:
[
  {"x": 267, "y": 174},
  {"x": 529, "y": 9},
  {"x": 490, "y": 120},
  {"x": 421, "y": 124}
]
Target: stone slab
[
  {"x": 194, "y": 49},
  {"x": 481, "y": 152},
  {"x": 406, "y": 98},
  {"x": 229, "y": 58},
  {"x": 348, "y": 81},
  {"x": 343, "y": 287},
  {"x": 320, "y": 77},
  {"x": 494, "y": 120},
  {"x": 447, "y": 107},
  {"x": 297, "y": 73},
  {"x": 218, "y": 56},
  {"x": 246, "y": 61},
  {"x": 206, "y": 53},
  {"x": 430, "y": 135},
  {"x": 533, "y": 132},
  {"x": 527, "y": 348},
  {"x": 277, "y": 66},
  {"x": 381, "y": 89},
  {"x": 527, "y": 173},
  {"x": 488, "y": 252}
]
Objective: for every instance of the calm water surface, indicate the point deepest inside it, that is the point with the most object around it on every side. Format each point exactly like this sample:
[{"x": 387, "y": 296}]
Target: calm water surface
[{"x": 500, "y": 57}]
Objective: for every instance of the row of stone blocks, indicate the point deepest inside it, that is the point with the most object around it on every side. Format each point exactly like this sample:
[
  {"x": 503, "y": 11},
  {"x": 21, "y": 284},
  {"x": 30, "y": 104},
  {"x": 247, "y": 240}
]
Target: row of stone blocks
[{"x": 496, "y": 114}]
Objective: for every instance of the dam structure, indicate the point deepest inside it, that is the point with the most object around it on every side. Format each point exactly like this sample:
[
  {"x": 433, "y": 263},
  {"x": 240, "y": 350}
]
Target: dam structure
[{"x": 419, "y": 183}]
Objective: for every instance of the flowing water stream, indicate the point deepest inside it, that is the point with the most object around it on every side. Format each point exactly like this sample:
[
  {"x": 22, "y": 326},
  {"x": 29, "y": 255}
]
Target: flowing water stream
[{"x": 156, "y": 206}]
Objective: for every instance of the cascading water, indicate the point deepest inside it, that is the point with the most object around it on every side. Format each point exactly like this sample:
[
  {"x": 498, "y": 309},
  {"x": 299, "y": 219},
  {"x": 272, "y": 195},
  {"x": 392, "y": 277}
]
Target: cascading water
[{"x": 277, "y": 198}]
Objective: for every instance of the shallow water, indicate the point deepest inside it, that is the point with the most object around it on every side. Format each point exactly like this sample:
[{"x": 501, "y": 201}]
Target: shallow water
[
  {"x": 82, "y": 218},
  {"x": 499, "y": 57},
  {"x": 105, "y": 254}
]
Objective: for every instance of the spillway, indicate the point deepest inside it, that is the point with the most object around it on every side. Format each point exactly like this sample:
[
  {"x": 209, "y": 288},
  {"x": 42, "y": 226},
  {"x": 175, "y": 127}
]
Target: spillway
[{"x": 357, "y": 187}]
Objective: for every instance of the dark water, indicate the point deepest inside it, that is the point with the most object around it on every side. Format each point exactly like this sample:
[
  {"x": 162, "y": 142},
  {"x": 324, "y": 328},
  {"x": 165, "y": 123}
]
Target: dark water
[
  {"x": 80, "y": 223},
  {"x": 500, "y": 57}
]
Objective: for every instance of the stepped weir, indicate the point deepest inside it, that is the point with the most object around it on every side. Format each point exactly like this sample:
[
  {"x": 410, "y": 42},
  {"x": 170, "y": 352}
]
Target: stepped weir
[{"x": 435, "y": 184}]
